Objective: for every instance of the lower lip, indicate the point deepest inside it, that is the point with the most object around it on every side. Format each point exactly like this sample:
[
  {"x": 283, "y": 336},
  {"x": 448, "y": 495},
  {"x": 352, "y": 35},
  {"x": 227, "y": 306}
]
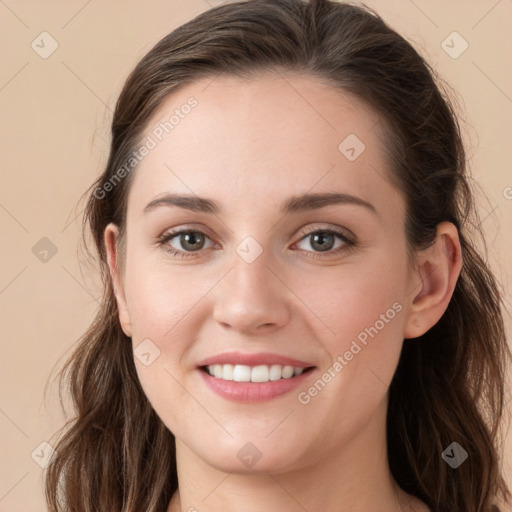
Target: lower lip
[{"x": 253, "y": 391}]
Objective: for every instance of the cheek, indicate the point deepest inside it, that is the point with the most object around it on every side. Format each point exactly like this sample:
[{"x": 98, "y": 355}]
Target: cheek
[
  {"x": 362, "y": 313},
  {"x": 164, "y": 306},
  {"x": 159, "y": 296},
  {"x": 353, "y": 296}
]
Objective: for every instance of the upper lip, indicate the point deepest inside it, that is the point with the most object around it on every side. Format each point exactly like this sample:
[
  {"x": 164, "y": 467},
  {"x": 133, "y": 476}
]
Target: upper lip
[{"x": 253, "y": 359}]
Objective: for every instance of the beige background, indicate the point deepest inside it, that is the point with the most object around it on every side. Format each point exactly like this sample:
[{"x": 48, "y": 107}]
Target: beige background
[{"x": 54, "y": 141}]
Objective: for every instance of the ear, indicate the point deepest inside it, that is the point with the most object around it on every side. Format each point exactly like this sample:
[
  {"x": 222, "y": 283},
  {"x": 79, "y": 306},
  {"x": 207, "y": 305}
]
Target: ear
[
  {"x": 439, "y": 267},
  {"x": 111, "y": 241}
]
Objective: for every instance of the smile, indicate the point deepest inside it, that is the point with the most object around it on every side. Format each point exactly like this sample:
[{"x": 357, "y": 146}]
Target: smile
[
  {"x": 249, "y": 390},
  {"x": 260, "y": 373}
]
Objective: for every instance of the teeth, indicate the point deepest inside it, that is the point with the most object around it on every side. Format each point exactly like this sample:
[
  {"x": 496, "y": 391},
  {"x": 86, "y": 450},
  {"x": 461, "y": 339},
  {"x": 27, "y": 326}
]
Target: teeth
[
  {"x": 275, "y": 372},
  {"x": 261, "y": 373},
  {"x": 227, "y": 371},
  {"x": 241, "y": 373},
  {"x": 288, "y": 372}
]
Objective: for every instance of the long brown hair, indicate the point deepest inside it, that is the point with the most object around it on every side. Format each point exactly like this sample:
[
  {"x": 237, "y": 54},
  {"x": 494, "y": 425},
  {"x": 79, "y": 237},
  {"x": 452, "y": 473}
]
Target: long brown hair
[{"x": 116, "y": 455}]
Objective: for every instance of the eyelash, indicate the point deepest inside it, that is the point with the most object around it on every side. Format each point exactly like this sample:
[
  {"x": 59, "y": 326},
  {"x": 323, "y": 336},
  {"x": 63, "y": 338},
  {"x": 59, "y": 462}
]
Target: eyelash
[{"x": 348, "y": 243}]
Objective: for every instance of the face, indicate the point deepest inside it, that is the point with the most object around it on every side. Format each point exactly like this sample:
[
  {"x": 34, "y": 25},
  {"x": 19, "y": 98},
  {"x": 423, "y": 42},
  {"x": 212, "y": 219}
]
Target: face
[{"x": 261, "y": 275}]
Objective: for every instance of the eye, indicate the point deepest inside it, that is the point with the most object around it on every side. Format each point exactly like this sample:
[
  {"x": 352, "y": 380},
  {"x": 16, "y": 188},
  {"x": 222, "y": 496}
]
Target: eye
[
  {"x": 324, "y": 241},
  {"x": 190, "y": 240},
  {"x": 184, "y": 242}
]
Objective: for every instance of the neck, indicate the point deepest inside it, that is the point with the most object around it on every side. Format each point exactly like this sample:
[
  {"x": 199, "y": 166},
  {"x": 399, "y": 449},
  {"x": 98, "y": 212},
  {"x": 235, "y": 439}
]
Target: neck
[{"x": 356, "y": 478}]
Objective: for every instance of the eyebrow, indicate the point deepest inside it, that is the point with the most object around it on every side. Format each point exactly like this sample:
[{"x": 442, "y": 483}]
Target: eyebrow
[{"x": 304, "y": 202}]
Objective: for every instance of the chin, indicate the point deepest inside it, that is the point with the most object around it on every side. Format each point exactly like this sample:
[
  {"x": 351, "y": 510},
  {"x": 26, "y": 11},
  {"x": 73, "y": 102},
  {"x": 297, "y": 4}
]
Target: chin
[
  {"x": 250, "y": 457},
  {"x": 268, "y": 463}
]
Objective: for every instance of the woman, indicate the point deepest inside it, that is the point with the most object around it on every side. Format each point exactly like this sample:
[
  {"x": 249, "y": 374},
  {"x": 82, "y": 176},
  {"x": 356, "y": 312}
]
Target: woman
[{"x": 295, "y": 316}]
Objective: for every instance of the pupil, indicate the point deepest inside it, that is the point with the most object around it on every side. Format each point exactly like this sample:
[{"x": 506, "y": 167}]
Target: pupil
[
  {"x": 320, "y": 238},
  {"x": 191, "y": 240}
]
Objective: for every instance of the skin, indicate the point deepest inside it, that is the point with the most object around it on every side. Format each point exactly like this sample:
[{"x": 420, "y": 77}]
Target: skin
[{"x": 250, "y": 145}]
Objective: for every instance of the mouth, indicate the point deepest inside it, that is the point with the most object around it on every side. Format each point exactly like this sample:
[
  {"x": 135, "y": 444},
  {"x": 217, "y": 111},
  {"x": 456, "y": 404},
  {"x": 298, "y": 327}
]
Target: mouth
[
  {"x": 254, "y": 374},
  {"x": 245, "y": 377},
  {"x": 251, "y": 384}
]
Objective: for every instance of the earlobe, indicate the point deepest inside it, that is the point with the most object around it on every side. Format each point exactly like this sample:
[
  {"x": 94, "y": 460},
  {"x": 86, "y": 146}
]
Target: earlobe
[
  {"x": 111, "y": 239},
  {"x": 439, "y": 267}
]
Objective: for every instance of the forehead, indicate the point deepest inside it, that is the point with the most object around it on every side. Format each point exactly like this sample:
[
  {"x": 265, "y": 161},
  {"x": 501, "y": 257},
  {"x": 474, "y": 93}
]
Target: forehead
[{"x": 254, "y": 140}]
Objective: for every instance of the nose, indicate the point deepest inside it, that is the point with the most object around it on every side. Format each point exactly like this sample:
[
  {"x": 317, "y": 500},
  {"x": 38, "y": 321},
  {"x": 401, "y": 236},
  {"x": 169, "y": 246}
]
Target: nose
[{"x": 252, "y": 298}]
